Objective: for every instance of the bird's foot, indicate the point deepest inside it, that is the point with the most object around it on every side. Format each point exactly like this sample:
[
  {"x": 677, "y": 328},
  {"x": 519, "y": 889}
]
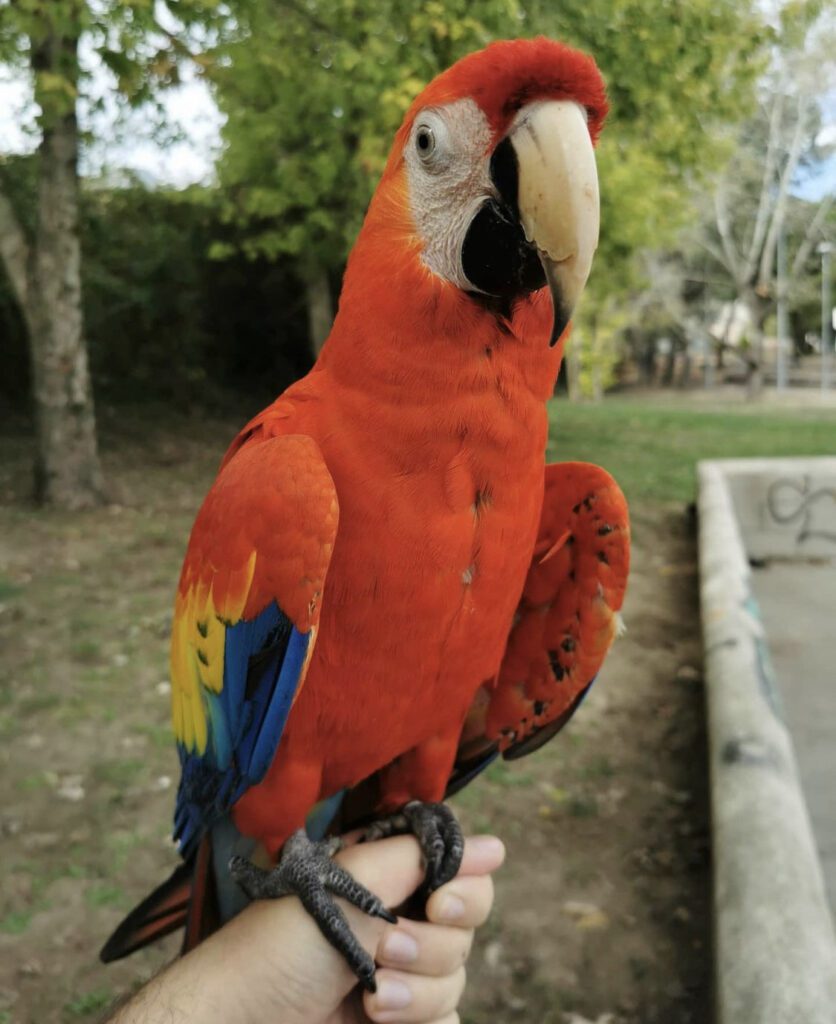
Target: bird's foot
[
  {"x": 306, "y": 869},
  {"x": 438, "y": 833}
]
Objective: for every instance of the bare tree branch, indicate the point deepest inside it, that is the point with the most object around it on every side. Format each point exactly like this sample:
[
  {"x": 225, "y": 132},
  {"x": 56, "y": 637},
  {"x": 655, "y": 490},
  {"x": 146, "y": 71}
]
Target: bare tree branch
[
  {"x": 713, "y": 252},
  {"x": 793, "y": 156},
  {"x": 764, "y": 200},
  {"x": 14, "y": 251},
  {"x": 721, "y": 214},
  {"x": 810, "y": 235},
  {"x": 182, "y": 49}
]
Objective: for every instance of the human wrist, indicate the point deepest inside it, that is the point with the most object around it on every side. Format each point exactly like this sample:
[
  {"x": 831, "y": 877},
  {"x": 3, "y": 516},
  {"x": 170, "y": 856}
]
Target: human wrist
[
  {"x": 238, "y": 971},
  {"x": 222, "y": 981}
]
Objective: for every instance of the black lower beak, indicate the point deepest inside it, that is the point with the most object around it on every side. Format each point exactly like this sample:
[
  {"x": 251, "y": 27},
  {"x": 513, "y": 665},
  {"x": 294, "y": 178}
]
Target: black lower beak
[
  {"x": 497, "y": 258},
  {"x": 562, "y": 310}
]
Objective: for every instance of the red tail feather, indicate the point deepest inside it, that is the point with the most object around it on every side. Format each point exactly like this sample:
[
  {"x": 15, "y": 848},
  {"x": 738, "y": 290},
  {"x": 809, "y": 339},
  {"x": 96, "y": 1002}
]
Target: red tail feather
[
  {"x": 203, "y": 916},
  {"x": 187, "y": 898}
]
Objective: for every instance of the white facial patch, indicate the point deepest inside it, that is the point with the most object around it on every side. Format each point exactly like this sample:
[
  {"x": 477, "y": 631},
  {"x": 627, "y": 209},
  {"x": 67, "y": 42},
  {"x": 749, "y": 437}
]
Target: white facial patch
[{"x": 448, "y": 170}]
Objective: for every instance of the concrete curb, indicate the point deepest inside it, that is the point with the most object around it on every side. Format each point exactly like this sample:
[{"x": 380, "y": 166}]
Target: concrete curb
[{"x": 775, "y": 943}]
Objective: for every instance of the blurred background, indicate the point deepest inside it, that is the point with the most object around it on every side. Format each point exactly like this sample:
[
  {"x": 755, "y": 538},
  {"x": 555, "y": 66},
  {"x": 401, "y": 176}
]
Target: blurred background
[{"x": 180, "y": 184}]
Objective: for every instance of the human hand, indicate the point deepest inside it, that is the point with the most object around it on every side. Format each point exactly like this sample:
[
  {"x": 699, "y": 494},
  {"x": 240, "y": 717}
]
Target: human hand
[
  {"x": 272, "y": 964},
  {"x": 312, "y": 983}
]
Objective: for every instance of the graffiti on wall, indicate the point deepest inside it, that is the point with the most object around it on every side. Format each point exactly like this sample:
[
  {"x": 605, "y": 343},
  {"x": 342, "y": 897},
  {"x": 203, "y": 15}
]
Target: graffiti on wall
[{"x": 805, "y": 504}]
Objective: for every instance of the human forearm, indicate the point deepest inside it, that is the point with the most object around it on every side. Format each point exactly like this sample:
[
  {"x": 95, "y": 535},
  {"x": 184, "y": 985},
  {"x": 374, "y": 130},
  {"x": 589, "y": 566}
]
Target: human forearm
[
  {"x": 271, "y": 963},
  {"x": 218, "y": 983}
]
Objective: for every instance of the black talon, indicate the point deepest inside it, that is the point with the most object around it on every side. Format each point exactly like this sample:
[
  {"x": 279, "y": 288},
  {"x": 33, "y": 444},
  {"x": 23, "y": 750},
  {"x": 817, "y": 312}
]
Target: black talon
[
  {"x": 305, "y": 869},
  {"x": 341, "y": 883},
  {"x": 439, "y": 836}
]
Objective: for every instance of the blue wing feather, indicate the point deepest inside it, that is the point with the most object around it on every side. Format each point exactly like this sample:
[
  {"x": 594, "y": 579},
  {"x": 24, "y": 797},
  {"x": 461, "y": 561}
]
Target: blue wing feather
[
  {"x": 278, "y": 707},
  {"x": 263, "y": 662},
  {"x": 243, "y": 640},
  {"x": 219, "y": 731}
]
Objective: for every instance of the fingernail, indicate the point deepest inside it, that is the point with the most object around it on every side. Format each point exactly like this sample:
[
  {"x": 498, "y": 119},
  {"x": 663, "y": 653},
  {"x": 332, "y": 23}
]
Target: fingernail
[
  {"x": 451, "y": 909},
  {"x": 397, "y": 945},
  {"x": 392, "y": 994}
]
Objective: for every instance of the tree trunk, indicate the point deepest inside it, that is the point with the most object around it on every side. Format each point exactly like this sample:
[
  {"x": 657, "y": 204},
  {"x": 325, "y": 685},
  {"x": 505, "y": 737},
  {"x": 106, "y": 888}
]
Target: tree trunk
[
  {"x": 572, "y": 362},
  {"x": 67, "y": 470},
  {"x": 320, "y": 308},
  {"x": 648, "y": 361},
  {"x": 46, "y": 278},
  {"x": 669, "y": 366},
  {"x": 758, "y": 308},
  {"x": 754, "y": 380},
  {"x": 596, "y": 375},
  {"x": 685, "y": 375},
  {"x": 596, "y": 383},
  {"x": 642, "y": 351}
]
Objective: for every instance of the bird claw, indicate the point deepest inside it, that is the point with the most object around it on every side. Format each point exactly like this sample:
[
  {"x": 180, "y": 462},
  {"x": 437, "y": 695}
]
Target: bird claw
[
  {"x": 305, "y": 869},
  {"x": 438, "y": 833}
]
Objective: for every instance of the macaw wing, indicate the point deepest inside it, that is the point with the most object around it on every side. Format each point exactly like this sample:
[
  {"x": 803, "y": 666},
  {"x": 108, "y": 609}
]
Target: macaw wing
[
  {"x": 245, "y": 620},
  {"x": 566, "y": 621}
]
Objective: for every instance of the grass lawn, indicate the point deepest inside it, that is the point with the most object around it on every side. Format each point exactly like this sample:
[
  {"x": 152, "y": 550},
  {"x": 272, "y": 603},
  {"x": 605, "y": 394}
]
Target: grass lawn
[{"x": 652, "y": 446}]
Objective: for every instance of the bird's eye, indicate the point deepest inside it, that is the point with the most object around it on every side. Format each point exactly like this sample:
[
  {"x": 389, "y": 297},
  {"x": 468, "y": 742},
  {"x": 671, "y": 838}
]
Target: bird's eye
[{"x": 425, "y": 141}]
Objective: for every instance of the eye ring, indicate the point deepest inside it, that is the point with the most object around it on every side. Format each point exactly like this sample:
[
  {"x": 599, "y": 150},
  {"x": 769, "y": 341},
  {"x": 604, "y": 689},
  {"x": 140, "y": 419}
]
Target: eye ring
[{"x": 425, "y": 141}]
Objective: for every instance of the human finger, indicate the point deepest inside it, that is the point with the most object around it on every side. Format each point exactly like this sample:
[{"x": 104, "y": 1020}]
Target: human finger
[
  {"x": 465, "y": 902},
  {"x": 482, "y": 855},
  {"x": 403, "y": 998},
  {"x": 392, "y": 868},
  {"x": 422, "y": 948}
]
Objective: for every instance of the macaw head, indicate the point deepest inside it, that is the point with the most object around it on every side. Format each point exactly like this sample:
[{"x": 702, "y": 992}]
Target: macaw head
[{"x": 490, "y": 192}]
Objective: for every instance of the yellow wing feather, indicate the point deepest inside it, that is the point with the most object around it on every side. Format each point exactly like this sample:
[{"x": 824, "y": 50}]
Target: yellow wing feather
[{"x": 197, "y": 650}]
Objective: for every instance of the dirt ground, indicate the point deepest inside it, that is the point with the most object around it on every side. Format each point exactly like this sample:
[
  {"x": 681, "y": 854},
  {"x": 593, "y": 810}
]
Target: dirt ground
[{"x": 603, "y": 906}]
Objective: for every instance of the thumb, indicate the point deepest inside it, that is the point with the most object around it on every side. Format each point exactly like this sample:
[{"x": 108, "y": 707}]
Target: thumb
[
  {"x": 390, "y": 868},
  {"x": 393, "y": 869}
]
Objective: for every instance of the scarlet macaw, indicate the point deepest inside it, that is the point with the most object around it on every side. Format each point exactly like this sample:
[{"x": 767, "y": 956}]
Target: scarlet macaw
[{"x": 383, "y": 589}]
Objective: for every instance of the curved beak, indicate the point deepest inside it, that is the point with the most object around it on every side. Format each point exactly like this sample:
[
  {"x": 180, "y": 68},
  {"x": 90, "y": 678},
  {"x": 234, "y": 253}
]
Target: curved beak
[{"x": 558, "y": 197}]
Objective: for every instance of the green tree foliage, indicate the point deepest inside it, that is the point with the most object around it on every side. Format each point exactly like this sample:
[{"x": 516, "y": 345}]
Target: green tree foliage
[
  {"x": 750, "y": 202},
  {"x": 677, "y": 71},
  {"x": 141, "y": 42},
  {"x": 163, "y": 321},
  {"x": 313, "y": 93}
]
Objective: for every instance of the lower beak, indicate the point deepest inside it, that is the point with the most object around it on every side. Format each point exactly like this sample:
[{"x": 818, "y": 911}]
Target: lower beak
[{"x": 558, "y": 198}]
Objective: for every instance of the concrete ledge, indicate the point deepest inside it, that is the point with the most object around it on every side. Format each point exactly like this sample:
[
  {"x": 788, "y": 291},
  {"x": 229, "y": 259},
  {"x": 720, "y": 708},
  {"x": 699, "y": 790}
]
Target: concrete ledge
[
  {"x": 775, "y": 943},
  {"x": 786, "y": 508}
]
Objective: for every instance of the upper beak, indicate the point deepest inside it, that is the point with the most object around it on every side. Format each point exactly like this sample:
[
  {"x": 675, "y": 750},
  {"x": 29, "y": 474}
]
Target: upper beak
[{"x": 558, "y": 197}]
